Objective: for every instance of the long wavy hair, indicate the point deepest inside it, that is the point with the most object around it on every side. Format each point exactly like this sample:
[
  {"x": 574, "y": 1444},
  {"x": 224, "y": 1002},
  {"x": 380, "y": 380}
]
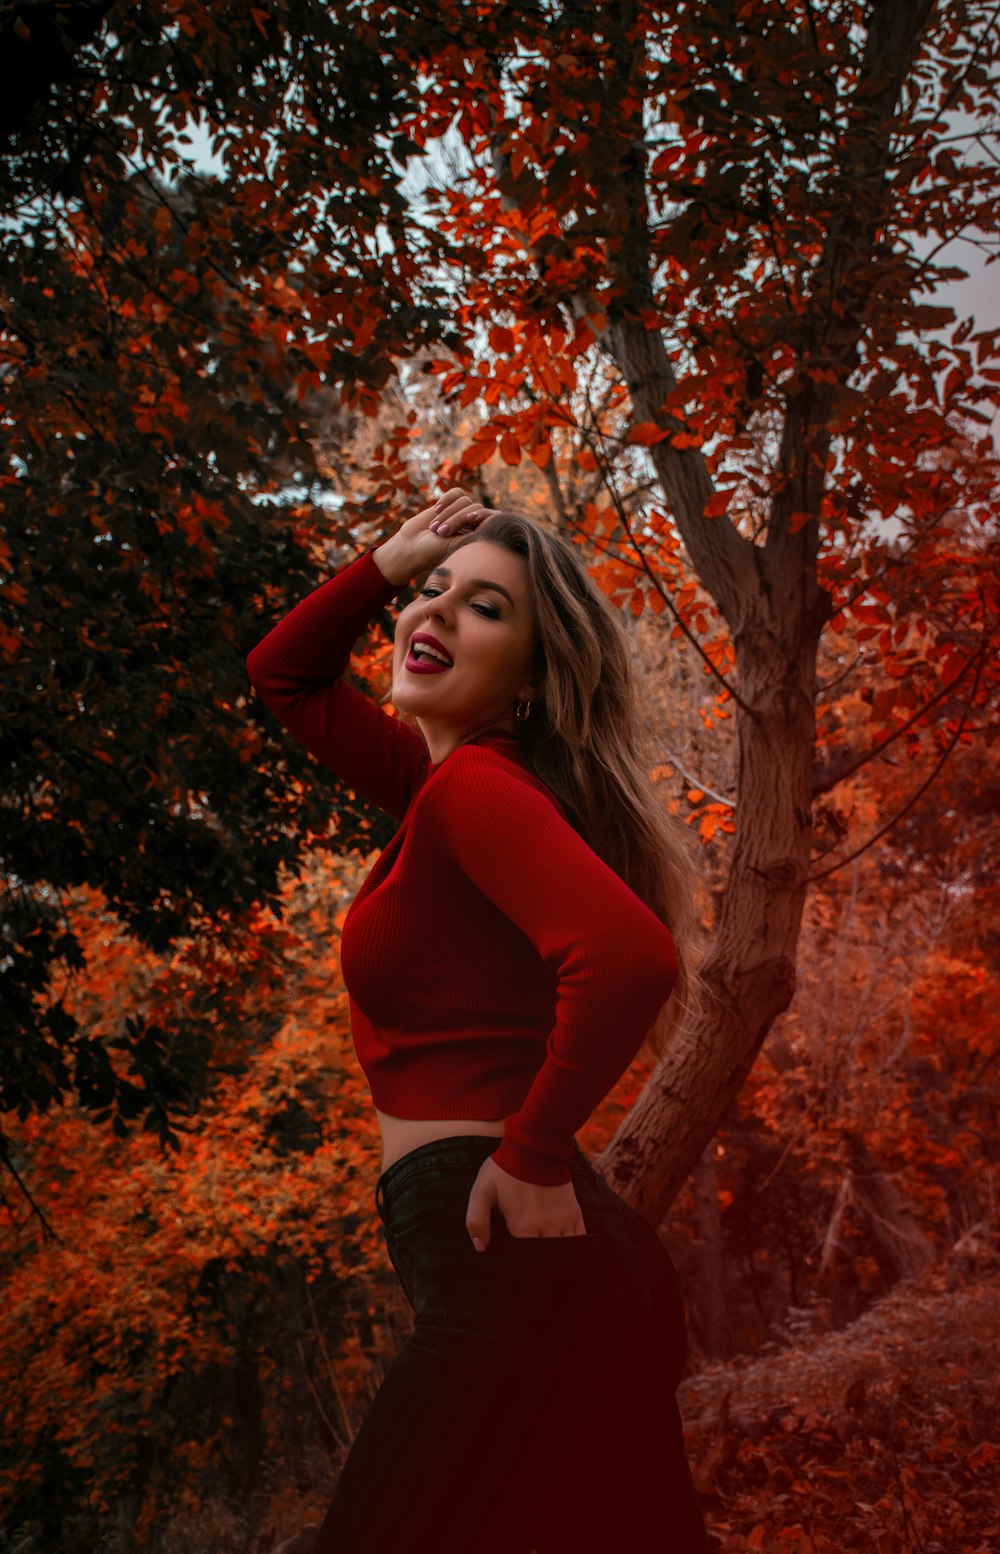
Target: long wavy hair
[{"x": 585, "y": 739}]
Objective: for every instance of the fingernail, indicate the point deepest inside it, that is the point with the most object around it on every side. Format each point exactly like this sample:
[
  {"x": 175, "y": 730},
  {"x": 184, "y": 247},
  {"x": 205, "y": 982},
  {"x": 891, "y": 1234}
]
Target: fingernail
[
  {"x": 480, "y": 1246},
  {"x": 442, "y": 528}
]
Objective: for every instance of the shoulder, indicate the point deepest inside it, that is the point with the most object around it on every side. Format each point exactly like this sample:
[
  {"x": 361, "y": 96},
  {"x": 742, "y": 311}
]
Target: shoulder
[
  {"x": 483, "y": 779},
  {"x": 475, "y": 768}
]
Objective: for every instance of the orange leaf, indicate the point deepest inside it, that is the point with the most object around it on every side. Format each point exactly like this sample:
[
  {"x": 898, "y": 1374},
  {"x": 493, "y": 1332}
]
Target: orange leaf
[
  {"x": 541, "y": 453},
  {"x": 510, "y": 449},
  {"x": 477, "y": 454},
  {"x": 646, "y": 433},
  {"x": 717, "y": 504}
]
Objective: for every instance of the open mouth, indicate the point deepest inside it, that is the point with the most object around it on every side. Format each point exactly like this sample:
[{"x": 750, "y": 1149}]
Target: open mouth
[{"x": 421, "y": 658}]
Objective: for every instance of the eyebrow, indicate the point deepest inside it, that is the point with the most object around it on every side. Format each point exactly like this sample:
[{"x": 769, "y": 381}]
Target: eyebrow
[{"x": 476, "y": 582}]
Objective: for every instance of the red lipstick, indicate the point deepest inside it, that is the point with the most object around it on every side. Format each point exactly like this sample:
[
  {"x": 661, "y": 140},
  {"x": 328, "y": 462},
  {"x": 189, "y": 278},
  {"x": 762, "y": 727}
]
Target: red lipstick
[{"x": 427, "y": 664}]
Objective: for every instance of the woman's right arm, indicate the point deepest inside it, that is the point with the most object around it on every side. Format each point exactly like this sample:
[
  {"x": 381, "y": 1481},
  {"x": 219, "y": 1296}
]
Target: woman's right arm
[{"x": 296, "y": 669}]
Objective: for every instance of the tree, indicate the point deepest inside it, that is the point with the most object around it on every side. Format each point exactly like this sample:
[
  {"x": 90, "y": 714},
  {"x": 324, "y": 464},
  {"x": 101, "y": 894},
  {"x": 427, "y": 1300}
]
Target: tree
[
  {"x": 154, "y": 359},
  {"x": 731, "y": 200},
  {"x": 189, "y": 1350}
]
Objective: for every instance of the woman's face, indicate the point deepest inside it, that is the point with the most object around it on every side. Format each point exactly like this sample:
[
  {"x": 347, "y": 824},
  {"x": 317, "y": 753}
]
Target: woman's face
[{"x": 475, "y": 607}]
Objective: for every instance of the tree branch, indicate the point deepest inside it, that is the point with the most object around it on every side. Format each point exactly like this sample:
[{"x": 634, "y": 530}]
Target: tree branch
[
  {"x": 658, "y": 586},
  {"x": 38, "y": 1212},
  {"x": 832, "y": 779},
  {"x": 825, "y": 873},
  {"x": 719, "y": 798}
]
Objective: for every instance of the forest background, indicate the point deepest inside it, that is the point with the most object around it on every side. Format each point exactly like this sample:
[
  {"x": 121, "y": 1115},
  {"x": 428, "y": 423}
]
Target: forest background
[{"x": 667, "y": 278}]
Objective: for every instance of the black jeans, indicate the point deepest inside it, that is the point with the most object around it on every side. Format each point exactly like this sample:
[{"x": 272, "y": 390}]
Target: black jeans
[{"x": 532, "y": 1407}]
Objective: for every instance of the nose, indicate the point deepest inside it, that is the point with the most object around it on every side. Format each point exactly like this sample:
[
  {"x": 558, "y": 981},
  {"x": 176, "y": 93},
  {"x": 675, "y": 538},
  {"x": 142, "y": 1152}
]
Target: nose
[{"x": 440, "y": 605}]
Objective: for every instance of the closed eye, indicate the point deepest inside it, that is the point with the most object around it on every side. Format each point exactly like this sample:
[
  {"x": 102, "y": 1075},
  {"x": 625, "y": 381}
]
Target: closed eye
[{"x": 489, "y": 610}]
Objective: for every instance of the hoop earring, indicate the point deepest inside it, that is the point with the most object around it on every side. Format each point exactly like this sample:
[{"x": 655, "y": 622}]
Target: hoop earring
[{"x": 526, "y": 714}]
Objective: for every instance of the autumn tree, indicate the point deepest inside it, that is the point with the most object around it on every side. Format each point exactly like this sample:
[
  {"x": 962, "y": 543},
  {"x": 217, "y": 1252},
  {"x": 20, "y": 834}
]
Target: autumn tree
[
  {"x": 731, "y": 201},
  {"x": 861, "y": 1147},
  {"x": 189, "y": 1339},
  {"x": 155, "y": 351}
]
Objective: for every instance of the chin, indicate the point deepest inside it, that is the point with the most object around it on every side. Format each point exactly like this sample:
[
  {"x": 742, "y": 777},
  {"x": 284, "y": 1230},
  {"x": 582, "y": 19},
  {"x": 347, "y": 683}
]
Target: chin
[
  {"x": 403, "y": 711},
  {"x": 404, "y": 702}
]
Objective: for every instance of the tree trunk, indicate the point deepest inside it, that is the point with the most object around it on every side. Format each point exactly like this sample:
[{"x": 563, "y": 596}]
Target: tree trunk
[
  {"x": 749, "y": 972},
  {"x": 776, "y": 610}
]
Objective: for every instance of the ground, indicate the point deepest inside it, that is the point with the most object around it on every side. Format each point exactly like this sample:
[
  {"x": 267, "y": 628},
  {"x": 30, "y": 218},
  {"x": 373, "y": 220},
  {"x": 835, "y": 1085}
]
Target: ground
[{"x": 884, "y": 1437}]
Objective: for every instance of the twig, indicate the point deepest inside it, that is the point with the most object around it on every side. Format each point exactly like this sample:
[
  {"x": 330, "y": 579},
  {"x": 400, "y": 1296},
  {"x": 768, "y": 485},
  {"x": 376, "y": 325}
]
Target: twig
[
  {"x": 718, "y": 797},
  {"x": 39, "y": 1213},
  {"x": 824, "y": 873}
]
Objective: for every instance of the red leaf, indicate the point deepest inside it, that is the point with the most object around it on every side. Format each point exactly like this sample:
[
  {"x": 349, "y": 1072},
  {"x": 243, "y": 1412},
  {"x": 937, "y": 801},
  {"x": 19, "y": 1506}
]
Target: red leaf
[
  {"x": 647, "y": 432},
  {"x": 717, "y": 504},
  {"x": 477, "y": 454}
]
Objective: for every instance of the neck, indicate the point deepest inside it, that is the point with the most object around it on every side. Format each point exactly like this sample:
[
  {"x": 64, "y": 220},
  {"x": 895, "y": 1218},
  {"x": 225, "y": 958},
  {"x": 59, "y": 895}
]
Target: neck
[{"x": 441, "y": 742}]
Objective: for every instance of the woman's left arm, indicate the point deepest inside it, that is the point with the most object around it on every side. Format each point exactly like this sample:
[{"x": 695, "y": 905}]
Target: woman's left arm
[{"x": 614, "y": 961}]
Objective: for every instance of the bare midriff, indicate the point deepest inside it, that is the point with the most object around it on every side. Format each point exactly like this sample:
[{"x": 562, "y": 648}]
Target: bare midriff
[{"x": 401, "y": 1134}]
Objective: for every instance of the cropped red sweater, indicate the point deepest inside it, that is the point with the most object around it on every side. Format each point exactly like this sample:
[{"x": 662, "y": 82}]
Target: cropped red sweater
[{"x": 495, "y": 966}]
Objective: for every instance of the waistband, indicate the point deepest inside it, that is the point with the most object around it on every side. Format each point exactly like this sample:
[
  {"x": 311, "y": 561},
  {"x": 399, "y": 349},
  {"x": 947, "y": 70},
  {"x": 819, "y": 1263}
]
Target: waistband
[{"x": 460, "y": 1149}]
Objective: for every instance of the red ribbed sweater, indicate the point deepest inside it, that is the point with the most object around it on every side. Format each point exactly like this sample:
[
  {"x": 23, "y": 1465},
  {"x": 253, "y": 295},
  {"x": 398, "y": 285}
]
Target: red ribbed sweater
[{"x": 495, "y": 966}]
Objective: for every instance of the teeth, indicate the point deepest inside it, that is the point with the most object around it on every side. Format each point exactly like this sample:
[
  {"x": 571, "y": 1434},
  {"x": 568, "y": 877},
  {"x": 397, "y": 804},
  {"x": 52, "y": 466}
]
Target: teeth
[{"x": 420, "y": 648}]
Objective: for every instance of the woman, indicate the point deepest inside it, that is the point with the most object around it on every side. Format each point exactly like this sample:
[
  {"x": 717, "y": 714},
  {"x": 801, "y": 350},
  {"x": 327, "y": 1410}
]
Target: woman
[{"x": 501, "y": 976}]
